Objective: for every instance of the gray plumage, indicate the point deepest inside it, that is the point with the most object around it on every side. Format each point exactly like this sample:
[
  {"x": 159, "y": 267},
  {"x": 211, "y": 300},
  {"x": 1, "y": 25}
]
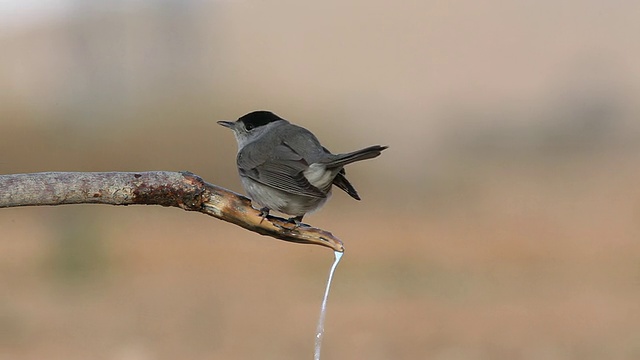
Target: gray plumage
[{"x": 284, "y": 167}]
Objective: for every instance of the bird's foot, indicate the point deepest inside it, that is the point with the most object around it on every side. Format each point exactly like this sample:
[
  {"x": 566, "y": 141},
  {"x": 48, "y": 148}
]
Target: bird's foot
[
  {"x": 264, "y": 212},
  {"x": 291, "y": 224},
  {"x": 297, "y": 221}
]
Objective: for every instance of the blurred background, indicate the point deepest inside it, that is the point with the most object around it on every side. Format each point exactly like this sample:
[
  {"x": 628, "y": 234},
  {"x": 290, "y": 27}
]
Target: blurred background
[{"x": 502, "y": 223}]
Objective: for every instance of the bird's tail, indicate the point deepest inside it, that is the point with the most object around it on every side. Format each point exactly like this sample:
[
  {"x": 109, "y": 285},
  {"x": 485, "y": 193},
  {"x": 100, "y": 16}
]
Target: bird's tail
[{"x": 341, "y": 160}]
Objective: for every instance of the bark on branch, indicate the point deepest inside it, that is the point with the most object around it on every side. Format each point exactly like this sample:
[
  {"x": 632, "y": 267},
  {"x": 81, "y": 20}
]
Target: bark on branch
[{"x": 178, "y": 189}]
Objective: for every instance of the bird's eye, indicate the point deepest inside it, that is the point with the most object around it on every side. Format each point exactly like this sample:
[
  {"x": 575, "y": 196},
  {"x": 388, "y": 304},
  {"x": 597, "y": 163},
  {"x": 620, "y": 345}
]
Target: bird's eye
[{"x": 249, "y": 126}]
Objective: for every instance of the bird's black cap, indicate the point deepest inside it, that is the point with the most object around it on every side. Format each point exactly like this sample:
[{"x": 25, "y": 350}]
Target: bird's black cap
[{"x": 258, "y": 118}]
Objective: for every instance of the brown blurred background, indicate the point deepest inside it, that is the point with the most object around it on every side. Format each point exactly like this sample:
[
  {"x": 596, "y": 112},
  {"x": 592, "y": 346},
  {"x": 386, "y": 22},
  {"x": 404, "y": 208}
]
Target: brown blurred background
[{"x": 502, "y": 223}]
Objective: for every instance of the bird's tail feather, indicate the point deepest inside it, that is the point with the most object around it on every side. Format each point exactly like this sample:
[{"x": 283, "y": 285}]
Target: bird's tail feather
[{"x": 363, "y": 154}]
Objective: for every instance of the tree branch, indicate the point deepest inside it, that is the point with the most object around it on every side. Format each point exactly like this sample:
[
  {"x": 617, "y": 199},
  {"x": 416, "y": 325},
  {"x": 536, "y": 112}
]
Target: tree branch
[{"x": 177, "y": 189}]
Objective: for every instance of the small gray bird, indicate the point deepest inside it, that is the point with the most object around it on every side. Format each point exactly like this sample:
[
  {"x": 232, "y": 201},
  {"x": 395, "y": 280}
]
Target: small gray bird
[{"x": 283, "y": 167}]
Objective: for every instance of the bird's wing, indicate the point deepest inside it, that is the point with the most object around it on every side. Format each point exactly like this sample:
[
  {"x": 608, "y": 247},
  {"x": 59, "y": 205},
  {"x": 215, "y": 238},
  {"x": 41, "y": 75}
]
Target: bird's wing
[
  {"x": 341, "y": 181},
  {"x": 304, "y": 144},
  {"x": 282, "y": 168}
]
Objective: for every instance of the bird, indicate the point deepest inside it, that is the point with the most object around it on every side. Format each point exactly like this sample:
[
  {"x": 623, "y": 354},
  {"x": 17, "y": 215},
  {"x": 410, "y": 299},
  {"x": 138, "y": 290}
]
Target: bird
[{"x": 284, "y": 167}]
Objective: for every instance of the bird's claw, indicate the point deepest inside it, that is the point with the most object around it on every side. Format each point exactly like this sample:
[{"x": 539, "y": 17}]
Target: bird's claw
[
  {"x": 264, "y": 212},
  {"x": 297, "y": 221}
]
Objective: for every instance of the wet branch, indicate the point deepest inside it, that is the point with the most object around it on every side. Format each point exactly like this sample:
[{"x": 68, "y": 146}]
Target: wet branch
[{"x": 177, "y": 189}]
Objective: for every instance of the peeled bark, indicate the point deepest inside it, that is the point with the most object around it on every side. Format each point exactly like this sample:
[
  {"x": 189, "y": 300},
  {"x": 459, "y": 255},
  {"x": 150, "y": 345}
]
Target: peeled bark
[{"x": 177, "y": 189}]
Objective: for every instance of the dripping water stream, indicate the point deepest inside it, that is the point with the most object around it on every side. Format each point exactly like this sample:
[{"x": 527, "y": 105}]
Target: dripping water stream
[{"x": 323, "y": 308}]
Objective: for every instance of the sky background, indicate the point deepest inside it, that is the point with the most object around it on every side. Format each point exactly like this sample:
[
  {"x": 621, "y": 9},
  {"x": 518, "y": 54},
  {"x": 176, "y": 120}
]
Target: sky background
[{"x": 502, "y": 223}]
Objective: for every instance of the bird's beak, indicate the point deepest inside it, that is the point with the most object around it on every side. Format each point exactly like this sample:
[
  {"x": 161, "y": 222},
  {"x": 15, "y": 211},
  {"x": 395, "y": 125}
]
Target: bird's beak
[{"x": 228, "y": 124}]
